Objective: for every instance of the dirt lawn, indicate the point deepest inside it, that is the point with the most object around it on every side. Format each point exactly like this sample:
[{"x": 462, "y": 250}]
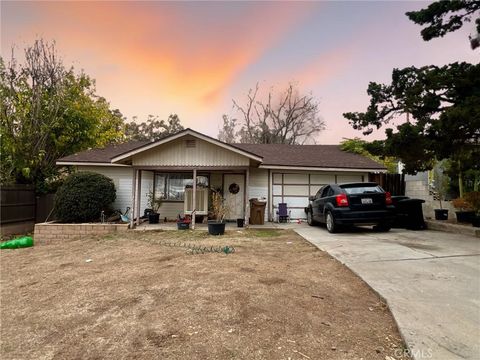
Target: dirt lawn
[{"x": 275, "y": 297}]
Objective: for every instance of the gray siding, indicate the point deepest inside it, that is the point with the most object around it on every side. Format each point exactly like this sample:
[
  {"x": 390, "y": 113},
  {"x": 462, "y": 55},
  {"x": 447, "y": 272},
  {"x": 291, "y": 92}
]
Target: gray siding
[{"x": 122, "y": 178}]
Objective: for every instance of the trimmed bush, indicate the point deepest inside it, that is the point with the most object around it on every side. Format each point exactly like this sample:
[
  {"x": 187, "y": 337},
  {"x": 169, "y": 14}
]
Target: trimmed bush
[{"x": 83, "y": 196}]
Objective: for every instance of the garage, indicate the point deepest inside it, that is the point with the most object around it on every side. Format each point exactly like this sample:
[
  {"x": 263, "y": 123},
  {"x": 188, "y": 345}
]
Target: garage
[{"x": 294, "y": 188}]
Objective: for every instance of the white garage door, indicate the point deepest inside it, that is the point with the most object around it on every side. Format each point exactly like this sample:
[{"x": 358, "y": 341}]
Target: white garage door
[{"x": 295, "y": 188}]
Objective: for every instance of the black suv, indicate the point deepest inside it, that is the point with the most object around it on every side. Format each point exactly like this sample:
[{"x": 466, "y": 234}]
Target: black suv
[{"x": 351, "y": 204}]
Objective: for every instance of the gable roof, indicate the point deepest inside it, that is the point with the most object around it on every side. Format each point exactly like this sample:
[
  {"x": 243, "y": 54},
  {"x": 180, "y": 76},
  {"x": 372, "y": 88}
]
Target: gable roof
[
  {"x": 180, "y": 134},
  {"x": 310, "y": 156},
  {"x": 275, "y": 156}
]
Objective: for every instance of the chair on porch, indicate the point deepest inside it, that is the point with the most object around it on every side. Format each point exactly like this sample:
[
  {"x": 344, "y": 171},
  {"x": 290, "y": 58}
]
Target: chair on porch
[{"x": 283, "y": 214}]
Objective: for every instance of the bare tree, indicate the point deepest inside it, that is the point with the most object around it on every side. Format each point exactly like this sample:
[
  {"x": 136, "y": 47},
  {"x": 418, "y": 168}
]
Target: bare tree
[
  {"x": 228, "y": 133},
  {"x": 288, "y": 118}
]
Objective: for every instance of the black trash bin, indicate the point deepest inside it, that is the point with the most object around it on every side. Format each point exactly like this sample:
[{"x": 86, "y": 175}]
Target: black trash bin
[
  {"x": 410, "y": 214},
  {"x": 400, "y": 219}
]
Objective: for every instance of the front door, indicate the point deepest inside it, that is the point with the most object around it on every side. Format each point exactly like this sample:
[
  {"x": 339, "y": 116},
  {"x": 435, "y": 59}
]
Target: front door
[{"x": 234, "y": 193}]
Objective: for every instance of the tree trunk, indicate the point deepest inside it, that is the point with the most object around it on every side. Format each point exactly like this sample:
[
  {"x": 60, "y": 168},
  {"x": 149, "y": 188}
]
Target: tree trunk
[{"x": 460, "y": 183}]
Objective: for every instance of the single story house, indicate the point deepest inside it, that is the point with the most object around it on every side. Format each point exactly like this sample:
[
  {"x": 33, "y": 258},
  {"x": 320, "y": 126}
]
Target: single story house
[{"x": 279, "y": 173}]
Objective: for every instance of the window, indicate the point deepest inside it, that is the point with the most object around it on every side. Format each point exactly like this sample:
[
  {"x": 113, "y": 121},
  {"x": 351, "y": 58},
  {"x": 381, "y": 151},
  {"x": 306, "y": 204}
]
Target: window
[
  {"x": 318, "y": 195},
  {"x": 363, "y": 190},
  {"x": 325, "y": 191},
  {"x": 171, "y": 186}
]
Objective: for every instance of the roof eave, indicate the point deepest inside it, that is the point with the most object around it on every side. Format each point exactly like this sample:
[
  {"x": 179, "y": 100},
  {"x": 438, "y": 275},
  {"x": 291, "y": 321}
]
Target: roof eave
[
  {"x": 320, "y": 168},
  {"x": 88, "y": 163}
]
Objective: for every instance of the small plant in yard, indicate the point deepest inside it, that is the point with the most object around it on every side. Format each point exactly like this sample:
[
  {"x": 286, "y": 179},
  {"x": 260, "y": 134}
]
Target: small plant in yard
[
  {"x": 473, "y": 198},
  {"x": 83, "y": 196},
  {"x": 468, "y": 206},
  {"x": 183, "y": 223},
  {"x": 440, "y": 184},
  {"x": 462, "y": 204},
  {"x": 219, "y": 209},
  {"x": 154, "y": 202}
]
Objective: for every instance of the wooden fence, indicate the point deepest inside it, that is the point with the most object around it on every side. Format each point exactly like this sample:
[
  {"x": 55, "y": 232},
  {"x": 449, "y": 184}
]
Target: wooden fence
[
  {"x": 393, "y": 183},
  {"x": 20, "y": 209}
]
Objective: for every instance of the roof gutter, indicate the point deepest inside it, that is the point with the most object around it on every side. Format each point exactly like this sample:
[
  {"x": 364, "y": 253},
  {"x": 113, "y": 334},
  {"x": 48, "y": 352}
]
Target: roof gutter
[
  {"x": 85, "y": 163},
  {"x": 311, "y": 168}
]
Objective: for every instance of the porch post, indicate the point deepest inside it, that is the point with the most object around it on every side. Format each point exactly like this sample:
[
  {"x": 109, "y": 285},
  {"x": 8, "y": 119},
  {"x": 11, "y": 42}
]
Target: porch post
[
  {"x": 247, "y": 196},
  {"x": 137, "y": 197},
  {"x": 194, "y": 197},
  {"x": 134, "y": 184}
]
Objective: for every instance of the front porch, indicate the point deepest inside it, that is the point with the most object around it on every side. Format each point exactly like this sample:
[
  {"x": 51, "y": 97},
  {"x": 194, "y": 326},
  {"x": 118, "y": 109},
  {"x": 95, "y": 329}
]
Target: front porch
[
  {"x": 232, "y": 226},
  {"x": 182, "y": 196}
]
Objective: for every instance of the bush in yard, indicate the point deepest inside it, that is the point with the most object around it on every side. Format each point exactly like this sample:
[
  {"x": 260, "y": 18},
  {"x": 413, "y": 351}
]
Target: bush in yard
[{"x": 83, "y": 196}]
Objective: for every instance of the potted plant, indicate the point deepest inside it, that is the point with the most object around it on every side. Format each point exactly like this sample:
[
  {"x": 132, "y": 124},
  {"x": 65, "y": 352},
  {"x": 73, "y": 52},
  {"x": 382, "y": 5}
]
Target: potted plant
[
  {"x": 473, "y": 198},
  {"x": 154, "y": 203},
  {"x": 465, "y": 213},
  {"x": 216, "y": 226},
  {"x": 183, "y": 223},
  {"x": 440, "y": 185}
]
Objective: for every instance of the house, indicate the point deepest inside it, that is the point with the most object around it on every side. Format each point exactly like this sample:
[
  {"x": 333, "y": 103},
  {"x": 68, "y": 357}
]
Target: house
[{"x": 277, "y": 172}]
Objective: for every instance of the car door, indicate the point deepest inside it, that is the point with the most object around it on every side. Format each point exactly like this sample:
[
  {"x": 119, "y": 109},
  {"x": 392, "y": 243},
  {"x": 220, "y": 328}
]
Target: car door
[
  {"x": 314, "y": 204},
  {"x": 324, "y": 198},
  {"x": 319, "y": 203}
]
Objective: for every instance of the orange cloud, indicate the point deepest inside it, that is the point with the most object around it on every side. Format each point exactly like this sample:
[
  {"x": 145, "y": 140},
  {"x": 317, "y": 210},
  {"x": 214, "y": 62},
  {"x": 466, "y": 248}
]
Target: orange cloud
[{"x": 169, "y": 52}]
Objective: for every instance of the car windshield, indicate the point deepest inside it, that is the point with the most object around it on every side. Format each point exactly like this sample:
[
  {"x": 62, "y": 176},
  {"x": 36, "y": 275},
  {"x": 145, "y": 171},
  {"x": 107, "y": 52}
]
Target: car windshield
[{"x": 363, "y": 190}]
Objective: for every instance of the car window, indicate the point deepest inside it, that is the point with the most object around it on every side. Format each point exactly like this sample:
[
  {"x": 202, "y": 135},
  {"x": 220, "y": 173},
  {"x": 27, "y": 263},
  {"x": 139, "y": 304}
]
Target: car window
[
  {"x": 325, "y": 191},
  {"x": 363, "y": 190},
  {"x": 330, "y": 192},
  {"x": 318, "y": 195}
]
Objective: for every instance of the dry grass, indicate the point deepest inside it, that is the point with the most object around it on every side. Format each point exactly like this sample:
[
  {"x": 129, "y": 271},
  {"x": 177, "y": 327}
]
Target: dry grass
[{"x": 276, "y": 297}]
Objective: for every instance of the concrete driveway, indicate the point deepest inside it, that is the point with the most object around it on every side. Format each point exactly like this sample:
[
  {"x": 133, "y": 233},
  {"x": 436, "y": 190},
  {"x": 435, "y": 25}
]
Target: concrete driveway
[{"x": 430, "y": 279}]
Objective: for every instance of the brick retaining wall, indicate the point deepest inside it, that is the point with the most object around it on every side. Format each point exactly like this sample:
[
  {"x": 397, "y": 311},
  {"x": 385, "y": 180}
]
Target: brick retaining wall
[{"x": 46, "y": 232}]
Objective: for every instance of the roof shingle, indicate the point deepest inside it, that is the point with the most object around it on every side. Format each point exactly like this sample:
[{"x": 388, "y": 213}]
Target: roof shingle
[
  {"x": 322, "y": 156},
  {"x": 103, "y": 155},
  {"x": 318, "y": 156}
]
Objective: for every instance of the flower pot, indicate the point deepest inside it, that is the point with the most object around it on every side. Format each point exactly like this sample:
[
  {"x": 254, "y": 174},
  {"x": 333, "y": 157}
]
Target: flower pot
[
  {"x": 216, "y": 227},
  {"x": 153, "y": 218},
  {"x": 476, "y": 221},
  {"x": 240, "y": 222},
  {"x": 183, "y": 225},
  {"x": 465, "y": 216},
  {"x": 441, "y": 214}
]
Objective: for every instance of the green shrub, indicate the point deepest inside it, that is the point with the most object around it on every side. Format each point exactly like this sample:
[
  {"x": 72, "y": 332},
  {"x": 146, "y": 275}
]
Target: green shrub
[{"x": 83, "y": 196}]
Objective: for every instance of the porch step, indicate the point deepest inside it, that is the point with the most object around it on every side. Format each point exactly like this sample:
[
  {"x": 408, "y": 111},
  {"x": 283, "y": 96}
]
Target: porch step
[{"x": 452, "y": 228}]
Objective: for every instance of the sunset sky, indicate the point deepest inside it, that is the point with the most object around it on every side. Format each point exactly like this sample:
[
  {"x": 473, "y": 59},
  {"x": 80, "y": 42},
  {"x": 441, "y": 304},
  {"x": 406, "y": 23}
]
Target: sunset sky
[{"x": 192, "y": 58}]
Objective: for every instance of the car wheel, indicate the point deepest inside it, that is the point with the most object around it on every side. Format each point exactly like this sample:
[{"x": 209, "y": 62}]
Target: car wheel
[
  {"x": 332, "y": 227},
  {"x": 310, "y": 220},
  {"x": 382, "y": 228}
]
